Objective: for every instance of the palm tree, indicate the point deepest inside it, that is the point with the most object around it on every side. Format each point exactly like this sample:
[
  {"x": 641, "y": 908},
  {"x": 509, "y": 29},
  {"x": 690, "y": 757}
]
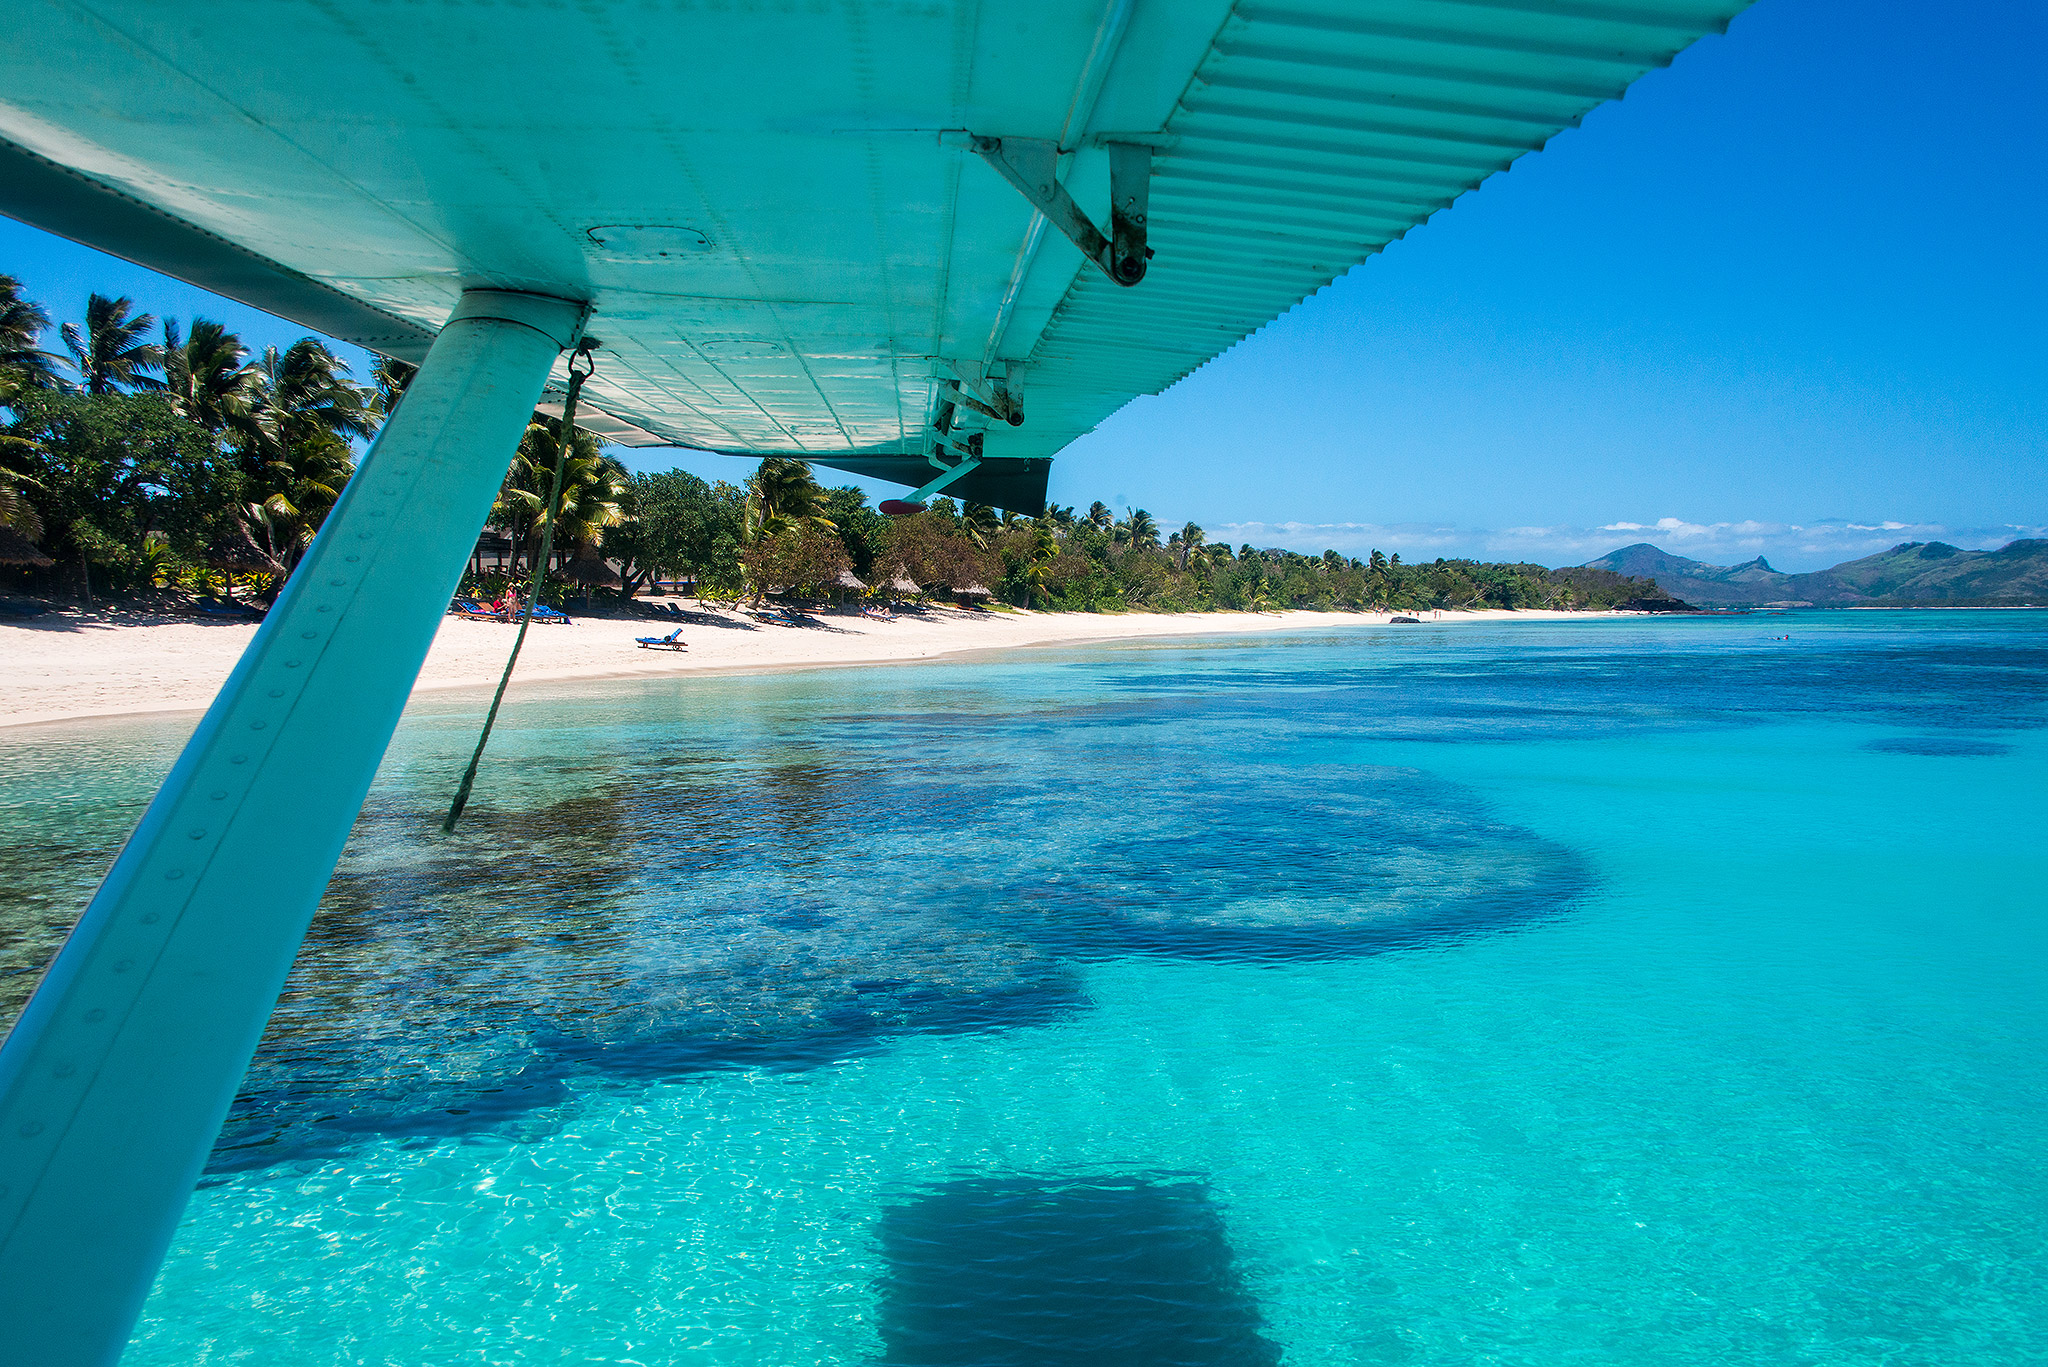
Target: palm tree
[
  {"x": 111, "y": 353},
  {"x": 299, "y": 485},
  {"x": 210, "y": 378},
  {"x": 781, "y": 494},
  {"x": 592, "y": 499},
  {"x": 1099, "y": 516},
  {"x": 1191, "y": 538},
  {"x": 978, "y": 523},
  {"x": 308, "y": 395},
  {"x": 389, "y": 378},
  {"x": 594, "y": 489},
  {"x": 1141, "y": 531},
  {"x": 1045, "y": 550},
  {"x": 24, "y": 365},
  {"x": 15, "y": 509},
  {"x": 299, "y": 457}
]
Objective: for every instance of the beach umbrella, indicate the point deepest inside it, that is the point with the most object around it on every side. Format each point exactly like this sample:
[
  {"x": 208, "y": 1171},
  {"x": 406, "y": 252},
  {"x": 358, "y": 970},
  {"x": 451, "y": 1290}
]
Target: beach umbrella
[
  {"x": 847, "y": 579},
  {"x": 16, "y": 549},
  {"x": 903, "y": 584},
  {"x": 972, "y": 591}
]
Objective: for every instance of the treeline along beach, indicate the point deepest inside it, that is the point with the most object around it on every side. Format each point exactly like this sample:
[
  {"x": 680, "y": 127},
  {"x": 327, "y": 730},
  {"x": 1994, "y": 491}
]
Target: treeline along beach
[{"x": 142, "y": 457}]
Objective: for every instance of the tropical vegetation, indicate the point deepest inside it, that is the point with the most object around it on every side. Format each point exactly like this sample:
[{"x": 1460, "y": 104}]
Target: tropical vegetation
[{"x": 146, "y": 454}]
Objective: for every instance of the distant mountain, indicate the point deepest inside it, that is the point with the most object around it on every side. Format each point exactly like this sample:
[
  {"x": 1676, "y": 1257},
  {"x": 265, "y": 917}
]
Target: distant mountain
[{"x": 1915, "y": 574}]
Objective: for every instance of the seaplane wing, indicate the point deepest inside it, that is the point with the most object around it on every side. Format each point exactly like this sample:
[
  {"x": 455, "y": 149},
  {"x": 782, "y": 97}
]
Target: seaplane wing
[
  {"x": 929, "y": 240},
  {"x": 875, "y": 235}
]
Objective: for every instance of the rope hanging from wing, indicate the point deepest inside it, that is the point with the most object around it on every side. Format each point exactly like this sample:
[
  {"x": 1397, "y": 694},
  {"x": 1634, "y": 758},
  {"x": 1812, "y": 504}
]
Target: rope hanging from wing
[{"x": 577, "y": 375}]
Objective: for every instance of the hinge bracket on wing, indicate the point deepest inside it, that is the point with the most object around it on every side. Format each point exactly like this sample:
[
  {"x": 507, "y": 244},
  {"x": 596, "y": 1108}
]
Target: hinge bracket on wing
[
  {"x": 1003, "y": 408},
  {"x": 962, "y": 386},
  {"x": 1032, "y": 165}
]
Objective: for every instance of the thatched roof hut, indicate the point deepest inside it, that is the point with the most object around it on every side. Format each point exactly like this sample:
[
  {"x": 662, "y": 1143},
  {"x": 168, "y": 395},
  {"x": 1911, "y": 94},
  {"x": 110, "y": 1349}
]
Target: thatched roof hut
[
  {"x": 972, "y": 591},
  {"x": 903, "y": 583},
  {"x": 237, "y": 553},
  {"x": 848, "y": 580},
  {"x": 590, "y": 570},
  {"x": 16, "y": 549}
]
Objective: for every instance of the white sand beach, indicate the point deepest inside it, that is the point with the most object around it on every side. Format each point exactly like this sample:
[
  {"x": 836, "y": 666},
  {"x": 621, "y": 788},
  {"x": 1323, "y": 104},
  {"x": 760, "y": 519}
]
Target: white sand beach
[{"x": 63, "y": 667}]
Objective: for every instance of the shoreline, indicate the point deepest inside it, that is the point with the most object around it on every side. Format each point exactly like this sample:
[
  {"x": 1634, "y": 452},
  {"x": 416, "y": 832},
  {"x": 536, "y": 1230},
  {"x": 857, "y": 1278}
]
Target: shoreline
[{"x": 70, "y": 671}]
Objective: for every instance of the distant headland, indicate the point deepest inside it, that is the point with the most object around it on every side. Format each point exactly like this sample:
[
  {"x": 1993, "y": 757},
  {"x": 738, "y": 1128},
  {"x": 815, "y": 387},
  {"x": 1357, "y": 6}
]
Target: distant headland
[{"x": 1912, "y": 574}]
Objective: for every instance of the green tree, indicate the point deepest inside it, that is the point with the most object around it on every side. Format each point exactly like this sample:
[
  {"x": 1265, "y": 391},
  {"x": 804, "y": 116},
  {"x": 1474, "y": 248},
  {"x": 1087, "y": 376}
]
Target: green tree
[
  {"x": 308, "y": 395},
  {"x": 388, "y": 379},
  {"x": 802, "y": 557},
  {"x": 211, "y": 380},
  {"x": 594, "y": 497},
  {"x": 862, "y": 529},
  {"x": 111, "y": 354},
  {"x": 929, "y": 550},
  {"x": 593, "y": 489},
  {"x": 24, "y": 364},
  {"x": 104, "y": 473},
  {"x": 1139, "y": 531},
  {"x": 679, "y": 525},
  {"x": 301, "y": 455},
  {"x": 979, "y": 524},
  {"x": 782, "y": 493}
]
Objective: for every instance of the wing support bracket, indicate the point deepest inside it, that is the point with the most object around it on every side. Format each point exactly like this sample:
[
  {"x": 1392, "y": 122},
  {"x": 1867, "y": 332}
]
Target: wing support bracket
[
  {"x": 1002, "y": 405},
  {"x": 914, "y": 502},
  {"x": 947, "y": 474},
  {"x": 1032, "y": 165}
]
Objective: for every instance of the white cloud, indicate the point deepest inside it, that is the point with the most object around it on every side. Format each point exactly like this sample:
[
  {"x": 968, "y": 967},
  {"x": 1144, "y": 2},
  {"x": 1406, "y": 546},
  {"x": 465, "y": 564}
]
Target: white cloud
[{"x": 1788, "y": 546}]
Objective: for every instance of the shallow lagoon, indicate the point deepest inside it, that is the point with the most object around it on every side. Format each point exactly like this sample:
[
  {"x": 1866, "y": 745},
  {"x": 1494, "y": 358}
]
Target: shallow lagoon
[{"x": 1625, "y": 991}]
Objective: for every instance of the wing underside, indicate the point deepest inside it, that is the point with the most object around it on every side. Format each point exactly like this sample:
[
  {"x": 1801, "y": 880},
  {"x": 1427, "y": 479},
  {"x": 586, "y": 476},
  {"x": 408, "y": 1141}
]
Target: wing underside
[{"x": 778, "y": 211}]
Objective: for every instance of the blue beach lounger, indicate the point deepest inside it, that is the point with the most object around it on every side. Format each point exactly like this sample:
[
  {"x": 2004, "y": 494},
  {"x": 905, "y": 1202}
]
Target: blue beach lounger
[{"x": 672, "y": 641}]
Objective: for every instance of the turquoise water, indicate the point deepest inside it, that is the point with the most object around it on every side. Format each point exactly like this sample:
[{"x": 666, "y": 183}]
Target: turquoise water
[{"x": 1617, "y": 991}]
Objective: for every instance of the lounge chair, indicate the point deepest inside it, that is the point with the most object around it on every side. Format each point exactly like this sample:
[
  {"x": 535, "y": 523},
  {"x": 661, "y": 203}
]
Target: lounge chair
[
  {"x": 672, "y": 641},
  {"x": 675, "y": 611},
  {"x": 469, "y": 607},
  {"x": 543, "y": 613}
]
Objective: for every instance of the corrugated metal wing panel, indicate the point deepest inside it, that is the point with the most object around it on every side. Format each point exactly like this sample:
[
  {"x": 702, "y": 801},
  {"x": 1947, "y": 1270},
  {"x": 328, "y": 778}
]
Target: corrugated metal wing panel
[
  {"x": 1314, "y": 133},
  {"x": 770, "y": 204}
]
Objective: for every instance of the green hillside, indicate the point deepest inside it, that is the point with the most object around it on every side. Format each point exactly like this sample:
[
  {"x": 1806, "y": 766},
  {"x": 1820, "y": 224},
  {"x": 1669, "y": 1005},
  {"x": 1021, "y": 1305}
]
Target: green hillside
[{"x": 1914, "y": 574}]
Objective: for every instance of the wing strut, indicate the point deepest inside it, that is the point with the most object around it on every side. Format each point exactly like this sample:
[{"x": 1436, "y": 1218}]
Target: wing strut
[
  {"x": 1032, "y": 165},
  {"x": 114, "y": 1081}
]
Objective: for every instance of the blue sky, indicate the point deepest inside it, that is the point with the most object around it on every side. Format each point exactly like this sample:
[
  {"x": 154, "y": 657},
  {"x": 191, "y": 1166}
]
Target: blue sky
[{"x": 1788, "y": 298}]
